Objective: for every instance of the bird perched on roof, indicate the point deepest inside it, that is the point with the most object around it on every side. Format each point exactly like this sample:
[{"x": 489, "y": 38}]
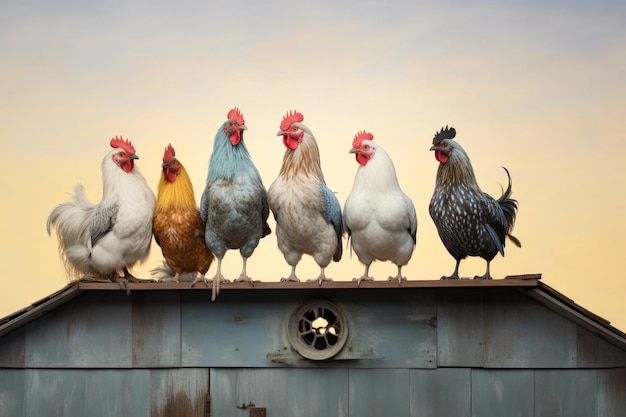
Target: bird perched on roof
[
  {"x": 307, "y": 212},
  {"x": 470, "y": 222},
  {"x": 380, "y": 219},
  {"x": 234, "y": 205},
  {"x": 177, "y": 226},
  {"x": 103, "y": 240}
]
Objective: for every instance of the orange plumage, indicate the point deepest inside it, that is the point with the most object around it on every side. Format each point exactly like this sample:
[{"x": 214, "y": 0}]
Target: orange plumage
[{"x": 177, "y": 225}]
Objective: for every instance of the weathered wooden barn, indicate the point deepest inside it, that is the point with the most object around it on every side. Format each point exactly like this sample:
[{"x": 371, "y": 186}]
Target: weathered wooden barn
[{"x": 508, "y": 347}]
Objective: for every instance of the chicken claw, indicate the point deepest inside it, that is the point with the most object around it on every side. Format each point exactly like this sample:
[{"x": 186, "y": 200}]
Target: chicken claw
[
  {"x": 292, "y": 277},
  {"x": 362, "y": 278}
]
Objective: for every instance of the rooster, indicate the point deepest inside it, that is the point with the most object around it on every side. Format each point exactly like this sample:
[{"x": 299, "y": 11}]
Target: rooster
[
  {"x": 176, "y": 224},
  {"x": 307, "y": 213},
  {"x": 234, "y": 205},
  {"x": 469, "y": 221},
  {"x": 103, "y": 240},
  {"x": 379, "y": 218}
]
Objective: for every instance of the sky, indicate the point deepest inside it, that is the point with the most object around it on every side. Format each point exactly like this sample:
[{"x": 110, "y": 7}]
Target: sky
[{"x": 537, "y": 87}]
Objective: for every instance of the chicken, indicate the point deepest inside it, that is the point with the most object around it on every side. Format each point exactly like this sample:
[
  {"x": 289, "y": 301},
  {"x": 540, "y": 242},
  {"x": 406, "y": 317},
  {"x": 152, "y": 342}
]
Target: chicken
[
  {"x": 103, "y": 240},
  {"x": 379, "y": 218},
  {"x": 234, "y": 205},
  {"x": 176, "y": 224},
  {"x": 469, "y": 221},
  {"x": 307, "y": 212}
]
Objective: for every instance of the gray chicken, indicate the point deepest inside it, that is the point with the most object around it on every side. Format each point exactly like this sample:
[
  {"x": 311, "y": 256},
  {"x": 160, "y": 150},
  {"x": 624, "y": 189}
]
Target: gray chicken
[{"x": 469, "y": 221}]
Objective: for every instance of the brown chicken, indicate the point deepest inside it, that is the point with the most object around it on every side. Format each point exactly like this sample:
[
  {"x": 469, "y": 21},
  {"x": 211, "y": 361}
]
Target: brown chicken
[{"x": 177, "y": 225}]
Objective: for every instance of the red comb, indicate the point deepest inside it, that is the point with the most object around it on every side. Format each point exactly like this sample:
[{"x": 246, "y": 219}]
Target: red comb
[
  {"x": 169, "y": 153},
  {"x": 119, "y": 143},
  {"x": 292, "y": 116},
  {"x": 360, "y": 137},
  {"x": 236, "y": 115}
]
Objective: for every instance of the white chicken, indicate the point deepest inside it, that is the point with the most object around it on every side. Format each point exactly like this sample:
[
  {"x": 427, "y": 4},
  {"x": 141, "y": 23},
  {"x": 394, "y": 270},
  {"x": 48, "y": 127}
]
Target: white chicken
[
  {"x": 103, "y": 240},
  {"x": 379, "y": 218}
]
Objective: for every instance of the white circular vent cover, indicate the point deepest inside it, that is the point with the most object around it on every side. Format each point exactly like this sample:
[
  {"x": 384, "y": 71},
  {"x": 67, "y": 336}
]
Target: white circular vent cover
[{"x": 318, "y": 330}]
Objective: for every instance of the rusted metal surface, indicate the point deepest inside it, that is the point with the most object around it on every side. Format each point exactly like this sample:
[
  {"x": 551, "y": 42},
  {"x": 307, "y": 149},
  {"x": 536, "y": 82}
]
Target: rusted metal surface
[
  {"x": 178, "y": 392},
  {"x": 258, "y": 412}
]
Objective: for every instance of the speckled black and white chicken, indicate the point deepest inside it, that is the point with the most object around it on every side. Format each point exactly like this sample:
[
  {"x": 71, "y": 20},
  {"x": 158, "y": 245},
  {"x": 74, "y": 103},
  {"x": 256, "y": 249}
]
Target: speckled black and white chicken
[{"x": 470, "y": 222}]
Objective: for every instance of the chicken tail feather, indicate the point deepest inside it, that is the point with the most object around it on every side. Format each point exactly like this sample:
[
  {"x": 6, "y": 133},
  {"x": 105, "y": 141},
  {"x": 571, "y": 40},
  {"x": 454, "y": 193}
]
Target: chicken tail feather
[
  {"x": 508, "y": 204},
  {"x": 72, "y": 222}
]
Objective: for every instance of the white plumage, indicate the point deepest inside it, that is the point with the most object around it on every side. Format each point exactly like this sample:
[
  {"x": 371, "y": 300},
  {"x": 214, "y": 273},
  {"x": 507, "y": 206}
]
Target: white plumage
[
  {"x": 379, "y": 217},
  {"x": 307, "y": 212},
  {"x": 103, "y": 240}
]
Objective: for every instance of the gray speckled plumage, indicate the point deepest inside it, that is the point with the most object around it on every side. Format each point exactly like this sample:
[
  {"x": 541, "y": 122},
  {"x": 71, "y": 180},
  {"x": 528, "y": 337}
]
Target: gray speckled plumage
[{"x": 469, "y": 221}]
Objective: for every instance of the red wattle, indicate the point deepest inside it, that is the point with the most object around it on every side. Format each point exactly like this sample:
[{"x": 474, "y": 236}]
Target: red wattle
[
  {"x": 235, "y": 138},
  {"x": 170, "y": 175},
  {"x": 441, "y": 157},
  {"x": 289, "y": 142}
]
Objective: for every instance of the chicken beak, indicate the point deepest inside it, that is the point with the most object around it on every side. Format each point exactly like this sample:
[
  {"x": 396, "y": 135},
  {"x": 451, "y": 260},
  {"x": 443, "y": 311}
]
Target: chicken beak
[
  {"x": 133, "y": 156},
  {"x": 434, "y": 147},
  {"x": 243, "y": 127},
  {"x": 353, "y": 150},
  {"x": 280, "y": 133}
]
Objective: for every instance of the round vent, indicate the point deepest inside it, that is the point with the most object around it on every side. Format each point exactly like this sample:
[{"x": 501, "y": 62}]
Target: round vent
[{"x": 318, "y": 330}]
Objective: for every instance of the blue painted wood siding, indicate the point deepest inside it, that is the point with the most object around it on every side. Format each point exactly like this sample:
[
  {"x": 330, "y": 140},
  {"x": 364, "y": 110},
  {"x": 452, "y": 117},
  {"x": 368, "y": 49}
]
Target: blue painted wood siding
[
  {"x": 411, "y": 352},
  {"x": 388, "y": 329}
]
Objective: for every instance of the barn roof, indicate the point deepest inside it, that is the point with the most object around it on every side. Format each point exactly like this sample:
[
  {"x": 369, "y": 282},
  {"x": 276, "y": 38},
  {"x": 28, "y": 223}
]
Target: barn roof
[{"x": 529, "y": 284}]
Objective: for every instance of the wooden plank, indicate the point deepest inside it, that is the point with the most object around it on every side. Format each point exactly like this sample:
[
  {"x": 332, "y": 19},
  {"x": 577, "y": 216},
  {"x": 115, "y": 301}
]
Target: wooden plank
[
  {"x": 498, "y": 392},
  {"x": 178, "y": 392},
  {"x": 110, "y": 392},
  {"x": 460, "y": 328},
  {"x": 519, "y": 282},
  {"x": 565, "y": 393},
  {"x": 12, "y": 347},
  {"x": 400, "y": 328},
  {"x": 612, "y": 392},
  {"x": 521, "y": 333},
  {"x": 593, "y": 351},
  {"x": 283, "y": 392},
  {"x": 12, "y": 393},
  {"x": 116, "y": 392},
  {"x": 91, "y": 331},
  {"x": 233, "y": 334},
  {"x": 54, "y": 392},
  {"x": 156, "y": 329},
  {"x": 39, "y": 308},
  {"x": 379, "y": 392},
  {"x": 243, "y": 331},
  {"x": 441, "y": 392}
]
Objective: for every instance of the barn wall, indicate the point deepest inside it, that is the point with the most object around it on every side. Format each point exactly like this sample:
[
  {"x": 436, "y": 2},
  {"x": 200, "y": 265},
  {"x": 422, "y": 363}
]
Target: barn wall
[
  {"x": 496, "y": 328},
  {"x": 411, "y": 352},
  {"x": 103, "y": 392}
]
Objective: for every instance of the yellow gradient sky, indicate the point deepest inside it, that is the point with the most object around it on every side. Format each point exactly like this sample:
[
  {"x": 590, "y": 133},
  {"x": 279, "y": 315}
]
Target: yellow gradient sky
[{"x": 537, "y": 87}]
